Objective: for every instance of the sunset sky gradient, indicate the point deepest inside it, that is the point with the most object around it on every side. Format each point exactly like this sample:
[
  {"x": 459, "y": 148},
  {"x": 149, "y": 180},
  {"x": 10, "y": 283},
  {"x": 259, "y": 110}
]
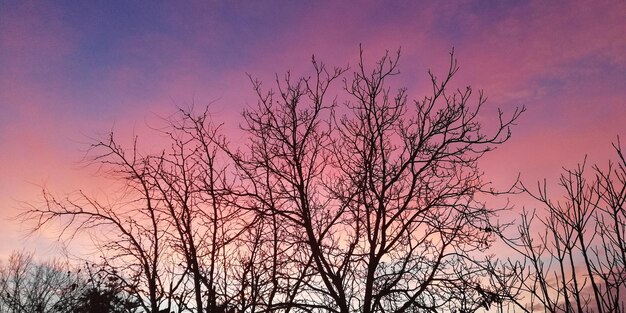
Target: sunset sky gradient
[{"x": 75, "y": 70}]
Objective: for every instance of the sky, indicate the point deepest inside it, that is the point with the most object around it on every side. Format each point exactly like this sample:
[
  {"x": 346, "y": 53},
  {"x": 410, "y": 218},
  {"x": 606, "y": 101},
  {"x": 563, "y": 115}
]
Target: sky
[{"x": 71, "y": 71}]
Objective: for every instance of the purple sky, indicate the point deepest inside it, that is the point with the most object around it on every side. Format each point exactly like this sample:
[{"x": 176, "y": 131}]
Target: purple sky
[{"x": 74, "y": 70}]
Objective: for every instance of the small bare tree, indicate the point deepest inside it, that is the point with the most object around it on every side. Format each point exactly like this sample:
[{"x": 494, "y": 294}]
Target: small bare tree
[
  {"x": 577, "y": 263},
  {"x": 28, "y": 286}
]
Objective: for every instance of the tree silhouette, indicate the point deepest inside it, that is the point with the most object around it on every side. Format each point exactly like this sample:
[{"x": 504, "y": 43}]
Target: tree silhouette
[
  {"x": 368, "y": 206},
  {"x": 577, "y": 262},
  {"x": 29, "y": 286},
  {"x": 375, "y": 209}
]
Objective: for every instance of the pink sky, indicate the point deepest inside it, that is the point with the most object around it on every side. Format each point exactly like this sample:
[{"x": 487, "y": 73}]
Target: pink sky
[{"x": 72, "y": 71}]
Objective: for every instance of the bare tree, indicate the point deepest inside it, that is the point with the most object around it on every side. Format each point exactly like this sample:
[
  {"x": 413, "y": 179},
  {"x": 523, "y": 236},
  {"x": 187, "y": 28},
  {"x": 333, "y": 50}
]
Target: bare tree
[
  {"x": 369, "y": 206},
  {"x": 377, "y": 208},
  {"x": 577, "y": 263},
  {"x": 129, "y": 232},
  {"x": 28, "y": 286},
  {"x": 170, "y": 236}
]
